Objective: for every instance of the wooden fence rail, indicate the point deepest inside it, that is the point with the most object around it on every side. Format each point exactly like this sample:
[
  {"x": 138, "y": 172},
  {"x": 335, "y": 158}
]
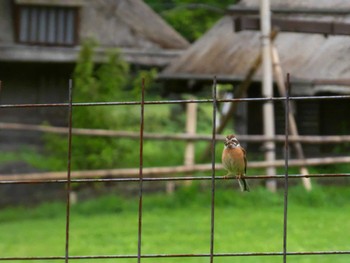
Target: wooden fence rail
[
  {"x": 159, "y": 171},
  {"x": 310, "y": 139}
]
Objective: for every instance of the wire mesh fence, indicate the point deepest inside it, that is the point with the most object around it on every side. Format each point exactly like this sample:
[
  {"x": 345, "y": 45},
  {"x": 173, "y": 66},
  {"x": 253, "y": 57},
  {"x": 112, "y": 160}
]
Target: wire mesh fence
[{"x": 139, "y": 255}]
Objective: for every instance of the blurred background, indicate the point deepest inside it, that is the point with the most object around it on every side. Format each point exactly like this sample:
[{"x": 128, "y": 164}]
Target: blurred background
[{"x": 107, "y": 48}]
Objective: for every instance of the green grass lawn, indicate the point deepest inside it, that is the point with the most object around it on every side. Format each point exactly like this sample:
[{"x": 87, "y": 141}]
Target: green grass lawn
[{"x": 180, "y": 223}]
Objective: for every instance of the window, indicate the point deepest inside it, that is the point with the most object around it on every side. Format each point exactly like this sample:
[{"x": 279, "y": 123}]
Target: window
[{"x": 47, "y": 25}]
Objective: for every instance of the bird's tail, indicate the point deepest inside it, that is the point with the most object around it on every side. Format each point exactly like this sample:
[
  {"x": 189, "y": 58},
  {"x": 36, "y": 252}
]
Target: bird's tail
[{"x": 243, "y": 185}]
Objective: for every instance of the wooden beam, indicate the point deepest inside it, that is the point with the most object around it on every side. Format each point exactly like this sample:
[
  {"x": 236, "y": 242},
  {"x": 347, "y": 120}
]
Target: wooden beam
[
  {"x": 64, "y": 3},
  {"x": 245, "y": 10},
  {"x": 160, "y": 171},
  {"x": 294, "y": 25},
  {"x": 307, "y": 139}
]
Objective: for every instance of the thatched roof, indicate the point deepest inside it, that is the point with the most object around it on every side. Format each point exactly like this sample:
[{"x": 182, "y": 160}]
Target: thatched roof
[
  {"x": 141, "y": 34},
  {"x": 128, "y": 23},
  {"x": 229, "y": 55}
]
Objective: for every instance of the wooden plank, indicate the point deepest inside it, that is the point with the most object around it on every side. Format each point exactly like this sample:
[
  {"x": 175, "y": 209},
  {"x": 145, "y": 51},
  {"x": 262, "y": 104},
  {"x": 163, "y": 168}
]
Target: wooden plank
[
  {"x": 307, "y": 139},
  {"x": 64, "y": 3},
  {"x": 160, "y": 171},
  {"x": 295, "y": 25},
  {"x": 243, "y": 10}
]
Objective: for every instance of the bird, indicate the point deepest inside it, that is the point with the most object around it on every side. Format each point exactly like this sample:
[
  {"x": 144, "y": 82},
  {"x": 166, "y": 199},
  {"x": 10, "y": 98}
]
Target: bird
[{"x": 234, "y": 160}]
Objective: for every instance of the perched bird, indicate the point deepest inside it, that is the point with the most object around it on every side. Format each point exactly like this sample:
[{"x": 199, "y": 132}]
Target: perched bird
[{"x": 235, "y": 161}]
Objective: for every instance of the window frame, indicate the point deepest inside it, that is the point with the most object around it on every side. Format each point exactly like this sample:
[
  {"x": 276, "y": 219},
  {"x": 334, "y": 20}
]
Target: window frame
[{"x": 56, "y": 9}]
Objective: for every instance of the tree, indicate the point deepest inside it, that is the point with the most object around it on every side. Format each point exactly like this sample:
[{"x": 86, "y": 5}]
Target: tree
[
  {"x": 191, "y": 18},
  {"x": 109, "y": 81}
]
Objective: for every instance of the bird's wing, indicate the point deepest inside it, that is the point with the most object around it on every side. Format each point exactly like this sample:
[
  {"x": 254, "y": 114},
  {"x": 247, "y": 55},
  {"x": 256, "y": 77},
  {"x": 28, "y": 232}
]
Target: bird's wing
[{"x": 245, "y": 160}]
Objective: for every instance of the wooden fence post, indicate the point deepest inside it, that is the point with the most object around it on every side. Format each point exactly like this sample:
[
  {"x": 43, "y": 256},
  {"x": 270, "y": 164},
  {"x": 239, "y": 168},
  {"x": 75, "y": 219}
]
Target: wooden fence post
[
  {"x": 191, "y": 127},
  {"x": 189, "y": 155}
]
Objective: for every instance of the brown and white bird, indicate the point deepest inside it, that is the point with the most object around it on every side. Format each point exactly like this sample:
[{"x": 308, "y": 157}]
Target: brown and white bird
[{"x": 235, "y": 161}]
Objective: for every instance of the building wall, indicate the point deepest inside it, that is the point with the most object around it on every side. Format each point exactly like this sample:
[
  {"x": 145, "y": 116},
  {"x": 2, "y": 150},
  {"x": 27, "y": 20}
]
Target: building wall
[
  {"x": 28, "y": 84},
  {"x": 334, "y": 120},
  {"x": 313, "y": 117},
  {"x": 6, "y": 22}
]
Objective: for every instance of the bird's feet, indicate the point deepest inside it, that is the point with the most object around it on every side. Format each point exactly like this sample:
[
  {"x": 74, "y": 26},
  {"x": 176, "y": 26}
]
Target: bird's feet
[{"x": 227, "y": 176}]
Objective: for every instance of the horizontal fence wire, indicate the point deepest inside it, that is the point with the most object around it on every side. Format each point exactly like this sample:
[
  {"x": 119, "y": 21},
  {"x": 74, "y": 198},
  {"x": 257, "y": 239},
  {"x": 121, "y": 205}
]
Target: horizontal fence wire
[
  {"x": 173, "y": 178},
  {"x": 159, "y": 102},
  {"x": 70, "y": 105},
  {"x": 192, "y": 255}
]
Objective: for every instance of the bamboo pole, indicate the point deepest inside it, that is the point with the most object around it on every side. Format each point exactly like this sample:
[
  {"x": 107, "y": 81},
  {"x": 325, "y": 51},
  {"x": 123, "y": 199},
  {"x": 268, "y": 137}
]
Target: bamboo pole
[
  {"x": 307, "y": 139},
  {"x": 191, "y": 125},
  {"x": 159, "y": 171},
  {"x": 277, "y": 68},
  {"x": 267, "y": 90}
]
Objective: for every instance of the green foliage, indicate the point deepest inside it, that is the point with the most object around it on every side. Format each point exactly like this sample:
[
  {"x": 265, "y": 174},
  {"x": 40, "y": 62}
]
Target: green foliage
[
  {"x": 103, "y": 83},
  {"x": 143, "y": 75},
  {"x": 107, "y": 82},
  {"x": 113, "y": 77},
  {"x": 83, "y": 73},
  {"x": 191, "y": 18},
  {"x": 113, "y": 81},
  {"x": 31, "y": 156}
]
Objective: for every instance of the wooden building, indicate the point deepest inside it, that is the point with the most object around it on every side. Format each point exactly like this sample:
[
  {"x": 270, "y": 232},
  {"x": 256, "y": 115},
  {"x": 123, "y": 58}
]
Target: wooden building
[
  {"x": 319, "y": 64},
  {"x": 40, "y": 41},
  {"x": 39, "y": 44}
]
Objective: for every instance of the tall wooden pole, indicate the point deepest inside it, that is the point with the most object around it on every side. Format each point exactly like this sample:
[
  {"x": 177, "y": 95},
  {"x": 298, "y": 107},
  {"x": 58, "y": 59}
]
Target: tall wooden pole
[
  {"x": 267, "y": 90},
  {"x": 293, "y": 129}
]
